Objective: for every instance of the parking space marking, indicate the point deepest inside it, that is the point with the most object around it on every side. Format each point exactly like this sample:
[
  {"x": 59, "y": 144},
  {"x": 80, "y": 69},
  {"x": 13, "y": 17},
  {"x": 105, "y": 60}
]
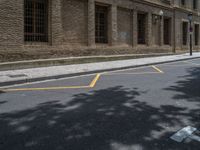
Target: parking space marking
[
  {"x": 121, "y": 72},
  {"x": 192, "y": 63},
  {"x": 91, "y": 85},
  {"x": 176, "y": 64},
  {"x": 44, "y": 89},
  {"x": 183, "y": 63},
  {"x": 128, "y": 73},
  {"x": 157, "y": 69},
  {"x": 179, "y": 65},
  {"x": 94, "y": 81}
]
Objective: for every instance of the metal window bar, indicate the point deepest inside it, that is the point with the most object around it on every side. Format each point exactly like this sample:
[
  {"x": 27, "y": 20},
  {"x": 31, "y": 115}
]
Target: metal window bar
[
  {"x": 194, "y": 4},
  {"x": 196, "y": 34},
  {"x": 185, "y": 32},
  {"x": 36, "y": 20},
  {"x": 141, "y": 28},
  {"x": 183, "y": 2},
  {"x": 166, "y": 31},
  {"x": 101, "y": 24}
]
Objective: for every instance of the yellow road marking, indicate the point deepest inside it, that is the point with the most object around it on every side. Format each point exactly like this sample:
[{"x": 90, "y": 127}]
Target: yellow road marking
[
  {"x": 93, "y": 83},
  {"x": 136, "y": 73},
  {"x": 157, "y": 69},
  {"x": 122, "y": 70},
  {"x": 178, "y": 65},
  {"x": 188, "y": 62},
  {"x": 44, "y": 89}
]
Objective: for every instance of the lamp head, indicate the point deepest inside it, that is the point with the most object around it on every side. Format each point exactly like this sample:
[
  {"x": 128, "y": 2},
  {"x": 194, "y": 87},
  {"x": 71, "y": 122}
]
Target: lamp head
[
  {"x": 161, "y": 13},
  {"x": 190, "y": 16}
]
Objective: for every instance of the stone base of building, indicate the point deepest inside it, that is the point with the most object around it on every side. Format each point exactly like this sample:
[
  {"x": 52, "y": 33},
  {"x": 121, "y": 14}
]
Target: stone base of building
[{"x": 31, "y": 53}]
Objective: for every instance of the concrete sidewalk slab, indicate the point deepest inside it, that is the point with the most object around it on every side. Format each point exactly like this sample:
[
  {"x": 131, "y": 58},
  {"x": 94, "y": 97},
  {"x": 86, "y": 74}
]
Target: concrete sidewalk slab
[{"x": 12, "y": 77}]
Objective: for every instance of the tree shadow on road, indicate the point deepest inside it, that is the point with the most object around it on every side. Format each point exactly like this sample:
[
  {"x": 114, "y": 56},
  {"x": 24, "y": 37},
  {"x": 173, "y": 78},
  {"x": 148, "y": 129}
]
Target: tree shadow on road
[
  {"x": 188, "y": 87},
  {"x": 106, "y": 119}
]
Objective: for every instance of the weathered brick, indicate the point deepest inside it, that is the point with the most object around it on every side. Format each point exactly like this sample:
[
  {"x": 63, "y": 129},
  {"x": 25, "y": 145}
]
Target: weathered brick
[{"x": 71, "y": 28}]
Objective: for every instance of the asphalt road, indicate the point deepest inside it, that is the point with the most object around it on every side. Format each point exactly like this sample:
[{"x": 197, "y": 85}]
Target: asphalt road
[{"x": 134, "y": 109}]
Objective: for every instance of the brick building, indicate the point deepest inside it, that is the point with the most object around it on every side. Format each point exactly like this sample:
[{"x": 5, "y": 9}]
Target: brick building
[{"x": 61, "y": 28}]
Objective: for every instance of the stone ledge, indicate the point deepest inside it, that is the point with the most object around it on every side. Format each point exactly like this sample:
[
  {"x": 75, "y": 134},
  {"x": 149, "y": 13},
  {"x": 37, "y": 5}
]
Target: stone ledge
[{"x": 71, "y": 60}]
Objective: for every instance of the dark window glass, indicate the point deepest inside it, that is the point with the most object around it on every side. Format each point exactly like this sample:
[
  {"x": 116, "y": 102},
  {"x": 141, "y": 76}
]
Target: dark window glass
[
  {"x": 141, "y": 28},
  {"x": 101, "y": 24},
  {"x": 167, "y": 30},
  {"x": 195, "y": 4},
  {"x": 185, "y": 32},
  {"x": 183, "y": 2},
  {"x": 196, "y": 30},
  {"x": 36, "y": 20}
]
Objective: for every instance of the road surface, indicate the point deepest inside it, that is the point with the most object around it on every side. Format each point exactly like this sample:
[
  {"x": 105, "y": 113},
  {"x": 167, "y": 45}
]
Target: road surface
[{"x": 132, "y": 109}]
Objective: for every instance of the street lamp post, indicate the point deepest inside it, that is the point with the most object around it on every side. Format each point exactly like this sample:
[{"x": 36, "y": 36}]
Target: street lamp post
[
  {"x": 190, "y": 16},
  {"x": 161, "y": 13}
]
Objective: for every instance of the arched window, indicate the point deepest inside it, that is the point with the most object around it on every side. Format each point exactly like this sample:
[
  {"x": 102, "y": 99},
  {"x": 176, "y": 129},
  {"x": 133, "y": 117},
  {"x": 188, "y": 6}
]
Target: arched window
[{"x": 36, "y": 20}]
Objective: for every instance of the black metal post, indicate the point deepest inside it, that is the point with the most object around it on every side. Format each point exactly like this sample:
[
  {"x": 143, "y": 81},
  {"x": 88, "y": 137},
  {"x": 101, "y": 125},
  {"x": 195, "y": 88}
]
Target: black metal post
[{"x": 190, "y": 38}]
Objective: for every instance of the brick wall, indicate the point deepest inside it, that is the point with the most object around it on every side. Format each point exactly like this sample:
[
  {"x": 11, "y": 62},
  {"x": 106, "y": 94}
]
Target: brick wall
[
  {"x": 125, "y": 26},
  {"x": 72, "y": 29},
  {"x": 74, "y": 15},
  {"x": 11, "y": 23}
]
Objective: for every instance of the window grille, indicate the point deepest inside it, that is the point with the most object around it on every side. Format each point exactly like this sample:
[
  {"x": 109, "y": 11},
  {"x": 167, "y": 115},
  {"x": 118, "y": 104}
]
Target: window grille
[
  {"x": 101, "y": 24},
  {"x": 195, "y": 4},
  {"x": 183, "y": 2},
  {"x": 185, "y": 33},
  {"x": 36, "y": 20},
  {"x": 196, "y": 34},
  {"x": 167, "y": 31},
  {"x": 141, "y": 28}
]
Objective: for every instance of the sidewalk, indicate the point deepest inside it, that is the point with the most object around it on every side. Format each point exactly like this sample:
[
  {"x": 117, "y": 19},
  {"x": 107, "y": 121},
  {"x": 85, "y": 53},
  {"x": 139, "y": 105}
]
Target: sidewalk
[{"x": 12, "y": 77}]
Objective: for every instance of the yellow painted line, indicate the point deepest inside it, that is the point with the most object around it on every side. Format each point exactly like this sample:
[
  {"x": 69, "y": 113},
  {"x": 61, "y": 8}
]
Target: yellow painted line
[
  {"x": 122, "y": 70},
  {"x": 44, "y": 89},
  {"x": 93, "y": 83},
  {"x": 139, "y": 73},
  {"x": 179, "y": 65},
  {"x": 157, "y": 69},
  {"x": 188, "y": 62}
]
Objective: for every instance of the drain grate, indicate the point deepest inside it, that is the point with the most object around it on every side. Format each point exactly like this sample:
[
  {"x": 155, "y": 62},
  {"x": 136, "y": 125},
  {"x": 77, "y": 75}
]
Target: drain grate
[{"x": 17, "y": 75}]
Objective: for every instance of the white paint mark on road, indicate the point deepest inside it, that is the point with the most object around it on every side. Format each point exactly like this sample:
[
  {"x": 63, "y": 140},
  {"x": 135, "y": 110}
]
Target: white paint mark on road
[
  {"x": 178, "y": 103},
  {"x": 185, "y": 133}
]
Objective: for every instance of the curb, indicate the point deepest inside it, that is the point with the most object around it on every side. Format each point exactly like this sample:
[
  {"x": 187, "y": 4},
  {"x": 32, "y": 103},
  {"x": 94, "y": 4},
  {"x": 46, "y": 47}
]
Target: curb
[{"x": 22, "y": 81}]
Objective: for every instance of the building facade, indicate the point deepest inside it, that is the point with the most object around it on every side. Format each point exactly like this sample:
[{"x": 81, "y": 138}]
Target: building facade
[{"x": 32, "y": 29}]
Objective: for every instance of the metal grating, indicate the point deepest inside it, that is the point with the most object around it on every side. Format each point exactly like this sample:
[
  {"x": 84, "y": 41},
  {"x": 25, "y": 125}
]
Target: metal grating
[
  {"x": 101, "y": 24},
  {"x": 36, "y": 20},
  {"x": 184, "y": 32},
  {"x": 196, "y": 34},
  {"x": 166, "y": 31},
  {"x": 141, "y": 28},
  {"x": 195, "y": 4}
]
